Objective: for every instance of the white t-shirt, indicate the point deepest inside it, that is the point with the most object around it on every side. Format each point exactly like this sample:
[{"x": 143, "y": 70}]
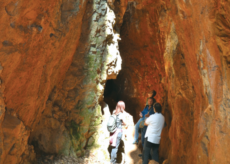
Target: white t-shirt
[{"x": 155, "y": 125}]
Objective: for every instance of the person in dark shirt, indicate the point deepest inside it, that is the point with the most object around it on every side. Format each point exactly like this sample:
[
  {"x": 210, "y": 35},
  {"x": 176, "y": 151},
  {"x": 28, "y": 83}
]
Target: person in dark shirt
[
  {"x": 148, "y": 110},
  {"x": 151, "y": 94}
]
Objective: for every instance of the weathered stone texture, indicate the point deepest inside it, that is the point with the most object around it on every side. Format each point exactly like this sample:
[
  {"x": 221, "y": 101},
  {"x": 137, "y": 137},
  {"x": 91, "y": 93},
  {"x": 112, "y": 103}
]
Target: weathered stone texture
[
  {"x": 189, "y": 42},
  {"x": 38, "y": 40},
  {"x": 55, "y": 58}
]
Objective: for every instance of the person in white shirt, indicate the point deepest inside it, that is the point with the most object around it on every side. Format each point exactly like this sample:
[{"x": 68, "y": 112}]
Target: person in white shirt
[{"x": 155, "y": 125}]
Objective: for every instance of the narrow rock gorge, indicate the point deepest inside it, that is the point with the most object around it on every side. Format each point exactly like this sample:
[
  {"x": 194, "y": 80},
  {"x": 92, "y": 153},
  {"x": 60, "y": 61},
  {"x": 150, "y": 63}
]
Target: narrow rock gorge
[{"x": 64, "y": 65}]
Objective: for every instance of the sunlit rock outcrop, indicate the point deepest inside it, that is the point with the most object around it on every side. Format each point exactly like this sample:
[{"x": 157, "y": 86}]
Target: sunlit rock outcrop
[
  {"x": 73, "y": 109},
  {"x": 55, "y": 59}
]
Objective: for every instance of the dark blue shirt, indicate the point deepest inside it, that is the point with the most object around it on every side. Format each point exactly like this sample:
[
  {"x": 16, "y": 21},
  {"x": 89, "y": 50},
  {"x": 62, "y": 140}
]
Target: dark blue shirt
[{"x": 146, "y": 110}]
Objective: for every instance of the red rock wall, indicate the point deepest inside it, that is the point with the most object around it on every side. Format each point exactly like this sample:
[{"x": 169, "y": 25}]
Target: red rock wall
[
  {"x": 203, "y": 94},
  {"x": 187, "y": 43},
  {"x": 38, "y": 41},
  {"x": 55, "y": 59},
  {"x": 143, "y": 63}
]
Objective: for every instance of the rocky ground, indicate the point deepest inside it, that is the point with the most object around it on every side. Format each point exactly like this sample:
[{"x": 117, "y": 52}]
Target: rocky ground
[
  {"x": 130, "y": 157},
  {"x": 128, "y": 154},
  {"x": 89, "y": 158}
]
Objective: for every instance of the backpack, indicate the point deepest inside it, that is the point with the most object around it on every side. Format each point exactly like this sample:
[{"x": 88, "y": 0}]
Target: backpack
[{"x": 112, "y": 123}]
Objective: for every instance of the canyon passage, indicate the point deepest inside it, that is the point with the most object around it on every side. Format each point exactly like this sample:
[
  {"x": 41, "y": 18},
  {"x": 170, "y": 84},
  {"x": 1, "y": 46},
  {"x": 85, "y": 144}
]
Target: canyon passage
[{"x": 64, "y": 65}]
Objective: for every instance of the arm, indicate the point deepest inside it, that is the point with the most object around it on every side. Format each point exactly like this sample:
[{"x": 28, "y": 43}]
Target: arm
[
  {"x": 141, "y": 115},
  {"x": 143, "y": 112},
  {"x": 125, "y": 124},
  {"x": 123, "y": 120},
  {"x": 147, "y": 115},
  {"x": 147, "y": 121}
]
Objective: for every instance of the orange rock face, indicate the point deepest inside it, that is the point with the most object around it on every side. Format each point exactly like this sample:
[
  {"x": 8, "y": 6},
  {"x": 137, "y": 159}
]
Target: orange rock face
[
  {"x": 200, "y": 68},
  {"x": 55, "y": 58},
  {"x": 179, "y": 49},
  {"x": 38, "y": 41}
]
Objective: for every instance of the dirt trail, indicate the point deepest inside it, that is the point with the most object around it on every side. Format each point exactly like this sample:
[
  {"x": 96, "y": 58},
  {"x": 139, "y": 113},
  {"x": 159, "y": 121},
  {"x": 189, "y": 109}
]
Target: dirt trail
[{"x": 131, "y": 150}]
